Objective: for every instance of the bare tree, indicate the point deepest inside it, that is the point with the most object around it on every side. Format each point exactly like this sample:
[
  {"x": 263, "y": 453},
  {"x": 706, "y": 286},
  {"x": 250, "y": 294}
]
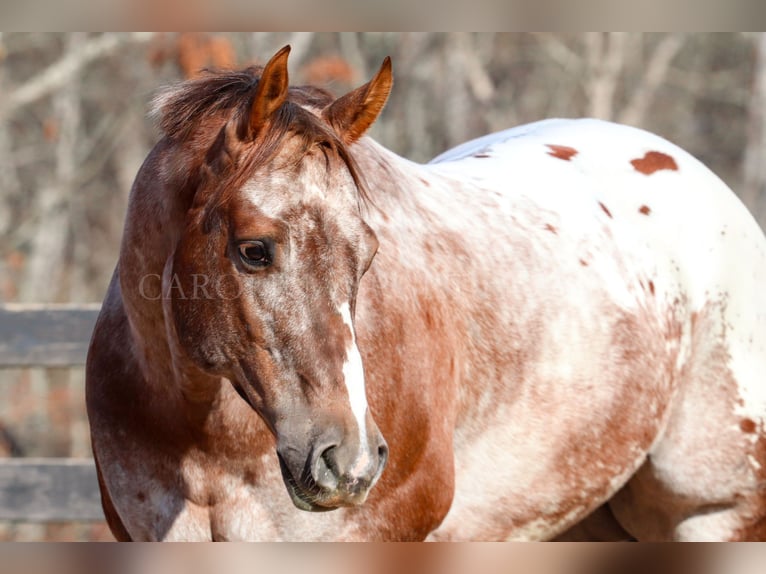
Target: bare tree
[
  {"x": 754, "y": 164},
  {"x": 44, "y": 270},
  {"x": 654, "y": 74},
  {"x": 58, "y": 74},
  {"x": 10, "y": 186},
  {"x": 605, "y": 58},
  {"x": 457, "y": 98}
]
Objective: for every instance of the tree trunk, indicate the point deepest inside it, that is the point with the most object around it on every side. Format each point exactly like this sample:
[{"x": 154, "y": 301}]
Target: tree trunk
[
  {"x": 605, "y": 59},
  {"x": 44, "y": 272},
  {"x": 10, "y": 187},
  {"x": 754, "y": 165},
  {"x": 655, "y": 73}
]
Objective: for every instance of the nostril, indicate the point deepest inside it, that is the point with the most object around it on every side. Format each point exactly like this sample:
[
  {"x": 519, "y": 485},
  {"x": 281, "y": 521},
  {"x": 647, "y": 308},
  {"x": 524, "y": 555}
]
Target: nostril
[
  {"x": 382, "y": 457},
  {"x": 324, "y": 470},
  {"x": 328, "y": 455}
]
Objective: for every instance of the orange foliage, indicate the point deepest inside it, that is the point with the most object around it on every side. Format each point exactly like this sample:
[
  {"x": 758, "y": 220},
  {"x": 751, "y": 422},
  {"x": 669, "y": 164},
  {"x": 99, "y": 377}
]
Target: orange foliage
[
  {"x": 14, "y": 263},
  {"x": 326, "y": 70},
  {"x": 15, "y": 260},
  {"x": 50, "y": 129},
  {"x": 222, "y": 52},
  {"x": 159, "y": 50},
  {"x": 197, "y": 51}
]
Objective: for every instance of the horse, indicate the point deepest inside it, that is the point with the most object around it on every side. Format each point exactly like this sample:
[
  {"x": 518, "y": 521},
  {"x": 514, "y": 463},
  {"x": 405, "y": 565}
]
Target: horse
[{"x": 555, "y": 329}]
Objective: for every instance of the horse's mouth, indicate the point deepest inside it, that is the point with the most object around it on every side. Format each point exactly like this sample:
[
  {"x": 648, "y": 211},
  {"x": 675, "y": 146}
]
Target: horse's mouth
[{"x": 301, "y": 499}]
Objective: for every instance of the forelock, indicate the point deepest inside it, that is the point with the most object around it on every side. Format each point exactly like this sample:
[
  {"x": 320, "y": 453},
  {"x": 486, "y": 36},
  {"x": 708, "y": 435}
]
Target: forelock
[{"x": 199, "y": 109}]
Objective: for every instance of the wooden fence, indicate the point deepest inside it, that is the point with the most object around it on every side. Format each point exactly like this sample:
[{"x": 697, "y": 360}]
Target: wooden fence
[{"x": 47, "y": 489}]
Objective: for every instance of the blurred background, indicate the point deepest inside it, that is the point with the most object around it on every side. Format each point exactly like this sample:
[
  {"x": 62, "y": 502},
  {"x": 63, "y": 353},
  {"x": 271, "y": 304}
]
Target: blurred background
[{"x": 74, "y": 130}]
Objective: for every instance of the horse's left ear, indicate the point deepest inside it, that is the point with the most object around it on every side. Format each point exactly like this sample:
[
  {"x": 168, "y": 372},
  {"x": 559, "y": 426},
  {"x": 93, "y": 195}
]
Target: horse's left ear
[
  {"x": 352, "y": 115},
  {"x": 271, "y": 92}
]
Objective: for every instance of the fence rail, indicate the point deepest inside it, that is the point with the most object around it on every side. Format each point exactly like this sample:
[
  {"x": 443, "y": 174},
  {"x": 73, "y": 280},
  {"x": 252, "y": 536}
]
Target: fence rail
[
  {"x": 45, "y": 335},
  {"x": 47, "y": 489}
]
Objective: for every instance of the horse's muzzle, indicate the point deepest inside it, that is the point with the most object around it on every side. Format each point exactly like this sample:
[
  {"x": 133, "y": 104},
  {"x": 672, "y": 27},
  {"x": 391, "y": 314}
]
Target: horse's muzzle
[{"x": 334, "y": 475}]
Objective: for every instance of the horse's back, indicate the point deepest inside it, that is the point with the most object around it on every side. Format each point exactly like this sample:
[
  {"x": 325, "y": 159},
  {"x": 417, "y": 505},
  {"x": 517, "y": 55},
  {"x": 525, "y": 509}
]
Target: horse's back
[
  {"x": 671, "y": 225},
  {"x": 664, "y": 208}
]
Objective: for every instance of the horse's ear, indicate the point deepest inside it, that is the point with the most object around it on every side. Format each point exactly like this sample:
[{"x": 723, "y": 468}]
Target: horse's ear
[
  {"x": 352, "y": 115},
  {"x": 271, "y": 91}
]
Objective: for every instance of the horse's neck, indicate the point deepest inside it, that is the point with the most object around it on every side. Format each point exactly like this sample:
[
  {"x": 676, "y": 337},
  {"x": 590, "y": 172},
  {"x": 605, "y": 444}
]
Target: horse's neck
[
  {"x": 153, "y": 226},
  {"x": 395, "y": 182}
]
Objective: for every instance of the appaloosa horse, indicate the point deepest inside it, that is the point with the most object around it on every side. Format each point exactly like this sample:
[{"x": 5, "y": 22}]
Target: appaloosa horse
[{"x": 562, "y": 318}]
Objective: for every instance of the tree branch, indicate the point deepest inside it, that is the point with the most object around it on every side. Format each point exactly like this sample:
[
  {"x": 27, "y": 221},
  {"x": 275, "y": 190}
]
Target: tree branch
[
  {"x": 605, "y": 60},
  {"x": 45, "y": 266},
  {"x": 654, "y": 75},
  {"x": 753, "y": 170},
  {"x": 58, "y": 74},
  {"x": 559, "y": 52}
]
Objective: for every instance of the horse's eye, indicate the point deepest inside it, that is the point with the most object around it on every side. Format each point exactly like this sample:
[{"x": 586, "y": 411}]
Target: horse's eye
[{"x": 255, "y": 253}]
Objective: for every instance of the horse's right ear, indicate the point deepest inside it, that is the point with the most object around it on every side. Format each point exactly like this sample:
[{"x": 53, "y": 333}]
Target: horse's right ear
[
  {"x": 352, "y": 115},
  {"x": 271, "y": 92}
]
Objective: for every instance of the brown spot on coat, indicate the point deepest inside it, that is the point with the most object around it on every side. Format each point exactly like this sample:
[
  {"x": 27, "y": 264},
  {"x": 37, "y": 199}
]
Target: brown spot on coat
[
  {"x": 562, "y": 151},
  {"x": 583, "y": 263},
  {"x": 651, "y": 287},
  {"x": 747, "y": 425},
  {"x": 644, "y": 209},
  {"x": 551, "y": 228},
  {"x": 654, "y": 161},
  {"x": 606, "y": 210}
]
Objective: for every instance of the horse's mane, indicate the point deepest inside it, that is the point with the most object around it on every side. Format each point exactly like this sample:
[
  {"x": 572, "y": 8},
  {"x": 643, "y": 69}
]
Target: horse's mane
[
  {"x": 182, "y": 106},
  {"x": 205, "y": 103}
]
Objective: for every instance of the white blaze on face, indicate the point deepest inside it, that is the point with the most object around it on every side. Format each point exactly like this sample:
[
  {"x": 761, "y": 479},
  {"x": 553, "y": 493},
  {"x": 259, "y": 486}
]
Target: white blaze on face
[{"x": 353, "y": 377}]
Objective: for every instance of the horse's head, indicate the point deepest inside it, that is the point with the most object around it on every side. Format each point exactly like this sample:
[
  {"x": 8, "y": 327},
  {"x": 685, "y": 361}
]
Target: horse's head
[{"x": 262, "y": 285}]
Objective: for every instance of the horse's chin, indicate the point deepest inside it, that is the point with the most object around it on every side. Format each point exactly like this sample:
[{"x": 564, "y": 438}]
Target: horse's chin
[{"x": 301, "y": 499}]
